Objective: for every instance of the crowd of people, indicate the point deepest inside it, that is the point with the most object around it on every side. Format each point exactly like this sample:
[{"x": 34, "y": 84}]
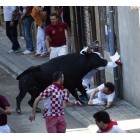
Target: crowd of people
[
  {"x": 52, "y": 41},
  {"x": 51, "y": 31}
]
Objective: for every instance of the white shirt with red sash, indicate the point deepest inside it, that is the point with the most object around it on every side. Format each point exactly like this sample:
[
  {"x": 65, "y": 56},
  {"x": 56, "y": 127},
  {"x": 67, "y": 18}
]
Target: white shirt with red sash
[
  {"x": 53, "y": 97},
  {"x": 112, "y": 127}
]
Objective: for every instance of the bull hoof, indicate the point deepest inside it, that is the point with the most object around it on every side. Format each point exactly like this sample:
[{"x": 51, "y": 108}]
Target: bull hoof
[
  {"x": 38, "y": 110},
  {"x": 83, "y": 100},
  {"x": 18, "y": 111}
]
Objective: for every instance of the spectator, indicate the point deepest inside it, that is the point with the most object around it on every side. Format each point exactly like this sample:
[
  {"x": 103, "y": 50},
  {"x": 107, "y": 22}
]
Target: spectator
[
  {"x": 105, "y": 94},
  {"x": 26, "y": 21},
  {"x": 11, "y": 17},
  {"x": 4, "y": 111},
  {"x": 105, "y": 124},
  {"x": 40, "y": 14},
  {"x": 55, "y": 37},
  {"x": 53, "y": 96}
]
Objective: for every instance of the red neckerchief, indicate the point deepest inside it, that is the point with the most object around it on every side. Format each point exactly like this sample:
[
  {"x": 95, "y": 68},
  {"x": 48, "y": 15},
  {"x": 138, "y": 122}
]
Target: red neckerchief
[
  {"x": 108, "y": 93},
  {"x": 108, "y": 127},
  {"x": 58, "y": 85}
]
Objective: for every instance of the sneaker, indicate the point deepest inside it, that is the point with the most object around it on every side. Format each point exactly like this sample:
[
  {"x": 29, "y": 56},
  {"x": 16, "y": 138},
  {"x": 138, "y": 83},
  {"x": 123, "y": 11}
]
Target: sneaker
[
  {"x": 83, "y": 99},
  {"x": 27, "y": 52},
  {"x": 10, "y": 51},
  {"x": 18, "y": 50}
]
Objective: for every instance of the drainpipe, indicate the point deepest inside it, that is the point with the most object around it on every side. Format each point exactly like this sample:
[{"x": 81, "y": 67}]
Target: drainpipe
[{"x": 111, "y": 43}]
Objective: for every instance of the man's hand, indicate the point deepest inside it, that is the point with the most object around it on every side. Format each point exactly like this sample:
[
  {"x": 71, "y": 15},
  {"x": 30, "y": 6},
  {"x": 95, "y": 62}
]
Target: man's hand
[
  {"x": 1, "y": 111},
  {"x": 90, "y": 102},
  {"x": 11, "y": 23},
  {"x": 118, "y": 62},
  {"x": 104, "y": 107},
  {"x": 78, "y": 103},
  {"x": 49, "y": 50},
  {"x": 109, "y": 104},
  {"x": 32, "y": 117},
  {"x": 69, "y": 42}
]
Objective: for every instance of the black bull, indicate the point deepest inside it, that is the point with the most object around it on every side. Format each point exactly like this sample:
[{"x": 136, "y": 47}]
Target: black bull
[{"x": 74, "y": 66}]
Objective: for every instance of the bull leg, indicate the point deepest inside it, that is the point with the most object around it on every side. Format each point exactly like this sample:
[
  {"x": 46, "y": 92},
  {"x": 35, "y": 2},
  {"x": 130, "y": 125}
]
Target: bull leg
[
  {"x": 18, "y": 100},
  {"x": 31, "y": 101},
  {"x": 83, "y": 97},
  {"x": 74, "y": 93},
  {"x": 82, "y": 90},
  {"x": 34, "y": 95}
]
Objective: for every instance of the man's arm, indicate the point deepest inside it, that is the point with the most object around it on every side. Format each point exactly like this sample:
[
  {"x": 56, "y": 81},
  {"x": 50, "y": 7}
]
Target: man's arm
[
  {"x": 69, "y": 35},
  {"x": 32, "y": 116},
  {"x": 68, "y": 31},
  {"x": 14, "y": 14},
  {"x": 73, "y": 103},
  {"x": 6, "y": 111},
  {"x": 28, "y": 9},
  {"x": 109, "y": 104},
  {"x": 48, "y": 43},
  {"x": 92, "y": 95}
]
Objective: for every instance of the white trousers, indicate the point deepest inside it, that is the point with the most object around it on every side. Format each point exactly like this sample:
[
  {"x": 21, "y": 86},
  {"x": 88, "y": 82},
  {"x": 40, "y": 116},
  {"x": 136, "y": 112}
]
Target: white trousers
[
  {"x": 97, "y": 99},
  {"x": 5, "y": 129},
  {"x": 87, "y": 78},
  {"x": 58, "y": 51},
  {"x": 41, "y": 43}
]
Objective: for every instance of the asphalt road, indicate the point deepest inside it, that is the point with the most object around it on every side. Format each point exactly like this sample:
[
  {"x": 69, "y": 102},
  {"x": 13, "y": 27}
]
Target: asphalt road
[{"x": 20, "y": 123}]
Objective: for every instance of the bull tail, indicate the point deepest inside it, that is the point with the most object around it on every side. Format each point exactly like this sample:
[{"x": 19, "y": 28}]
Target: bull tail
[{"x": 31, "y": 69}]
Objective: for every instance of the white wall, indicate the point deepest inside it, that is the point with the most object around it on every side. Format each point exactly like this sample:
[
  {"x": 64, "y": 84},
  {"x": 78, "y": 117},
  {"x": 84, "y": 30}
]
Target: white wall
[{"x": 129, "y": 36}]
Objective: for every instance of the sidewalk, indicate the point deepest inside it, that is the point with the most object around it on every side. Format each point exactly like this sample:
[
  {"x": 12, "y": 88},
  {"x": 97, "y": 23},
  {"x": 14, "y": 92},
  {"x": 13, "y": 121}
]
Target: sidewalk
[{"x": 128, "y": 116}]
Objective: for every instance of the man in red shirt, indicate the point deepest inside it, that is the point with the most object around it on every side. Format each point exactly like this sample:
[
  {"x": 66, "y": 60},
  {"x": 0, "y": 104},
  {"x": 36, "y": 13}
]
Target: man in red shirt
[
  {"x": 56, "y": 38},
  {"x": 53, "y": 97},
  {"x": 4, "y": 111}
]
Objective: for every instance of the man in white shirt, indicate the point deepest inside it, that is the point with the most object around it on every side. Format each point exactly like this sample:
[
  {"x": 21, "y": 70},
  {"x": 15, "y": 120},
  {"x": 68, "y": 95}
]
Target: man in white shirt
[
  {"x": 90, "y": 49},
  {"x": 104, "y": 95},
  {"x": 105, "y": 124}
]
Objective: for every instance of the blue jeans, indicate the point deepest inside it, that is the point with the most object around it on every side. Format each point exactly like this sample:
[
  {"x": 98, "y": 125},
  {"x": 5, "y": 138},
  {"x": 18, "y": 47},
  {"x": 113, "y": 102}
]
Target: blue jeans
[{"x": 26, "y": 28}]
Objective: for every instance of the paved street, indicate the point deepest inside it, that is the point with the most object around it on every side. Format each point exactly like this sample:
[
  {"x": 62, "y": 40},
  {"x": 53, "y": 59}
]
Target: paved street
[
  {"x": 128, "y": 116},
  {"x": 20, "y": 123}
]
